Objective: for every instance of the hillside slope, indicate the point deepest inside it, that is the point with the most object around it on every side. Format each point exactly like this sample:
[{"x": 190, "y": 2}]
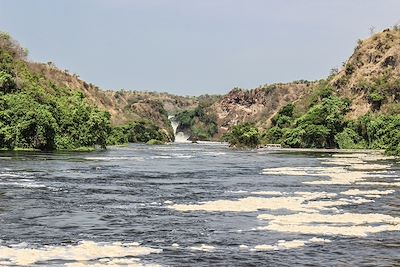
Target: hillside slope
[
  {"x": 370, "y": 77},
  {"x": 46, "y": 108},
  {"x": 356, "y": 107},
  {"x": 124, "y": 106}
]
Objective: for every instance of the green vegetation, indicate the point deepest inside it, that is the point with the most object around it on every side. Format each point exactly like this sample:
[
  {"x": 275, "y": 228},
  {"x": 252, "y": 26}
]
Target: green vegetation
[
  {"x": 155, "y": 142},
  {"x": 243, "y": 135},
  {"x": 323, "y": 126},
  {"x": 42, "y": 111},
  {"x": 35, "y": 113},
  {"x": 136, "y": 132},
  {"x": 46, "y": 122},
  {"x": 198, "y": 123}
]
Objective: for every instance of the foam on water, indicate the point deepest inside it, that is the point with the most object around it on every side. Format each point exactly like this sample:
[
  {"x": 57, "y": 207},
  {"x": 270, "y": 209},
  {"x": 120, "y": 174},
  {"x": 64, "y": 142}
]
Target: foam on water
[
  {"x": 303, "y": 202},
  {"x": 86, "y": 252},
  {"x": 339, "y": 199},
  {"x": 347, "y": 224},
  {"x": 203, "y": 247},
  {"x": 316, "y": 213},
  {"x": 374, "y": 193},
  {"x": 394, "y": 184},
  {"x": 292, "y": 244}
]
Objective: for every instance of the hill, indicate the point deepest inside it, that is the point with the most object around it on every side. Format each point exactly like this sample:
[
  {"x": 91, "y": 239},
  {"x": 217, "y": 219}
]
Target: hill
[
  {"x": 370, "y": 78},
  {"x": 42, "y": 107},
  {"x": 355, "y": 107}
]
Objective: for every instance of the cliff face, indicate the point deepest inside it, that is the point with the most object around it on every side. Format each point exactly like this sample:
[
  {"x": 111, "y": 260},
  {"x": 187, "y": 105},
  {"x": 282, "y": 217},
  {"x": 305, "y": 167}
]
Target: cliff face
[{"x": 257, "y": 105}]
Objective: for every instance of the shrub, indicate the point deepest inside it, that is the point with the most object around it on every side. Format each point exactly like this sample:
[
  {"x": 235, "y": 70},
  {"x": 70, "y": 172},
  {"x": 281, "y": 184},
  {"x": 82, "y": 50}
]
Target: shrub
[
  {"x": 154, "y": 142},
  {"x": 349, "y": 139},
  {"x": 243, "y": 135}
]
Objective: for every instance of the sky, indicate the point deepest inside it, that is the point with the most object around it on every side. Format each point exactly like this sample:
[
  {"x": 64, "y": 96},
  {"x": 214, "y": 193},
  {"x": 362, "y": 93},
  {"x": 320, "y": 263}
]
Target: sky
[{"x": 193, "y": 47}]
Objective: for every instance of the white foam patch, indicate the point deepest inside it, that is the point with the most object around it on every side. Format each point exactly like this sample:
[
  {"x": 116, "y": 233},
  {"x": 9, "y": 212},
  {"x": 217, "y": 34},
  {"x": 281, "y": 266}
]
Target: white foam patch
[
  {"x": 337, "y": 175},
  {"x": 293, "y": 244},
  {"x": 367, "y": 193},
  {"x": 243, "y": 247},
  {"x": 204, "y": 248},
  {"x": 85, "y": 251},
  {"x": 351, "y": 168},
  {"x": 319, "y": 240},
  {"x": 345, "y": 224},
  {"x": 365, "y": 156},
  {"x": 369, "y": 167},
  {"x": 341, "y": 161},
  {"x": 24, "y": 184},
  {"x": 311, "y": 202},
  {"x": 395, "y": 184}
]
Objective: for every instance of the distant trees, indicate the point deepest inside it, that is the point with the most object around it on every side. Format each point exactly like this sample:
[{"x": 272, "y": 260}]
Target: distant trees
[{"x": 136, "y": 132}]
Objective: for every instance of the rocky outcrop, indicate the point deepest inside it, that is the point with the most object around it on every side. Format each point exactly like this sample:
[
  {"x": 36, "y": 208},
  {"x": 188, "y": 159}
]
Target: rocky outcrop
[{"x": 257, "y": 105}]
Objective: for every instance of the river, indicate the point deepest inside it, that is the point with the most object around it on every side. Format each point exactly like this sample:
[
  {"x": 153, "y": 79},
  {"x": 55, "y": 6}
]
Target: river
[{"x": 198, "y": 205}]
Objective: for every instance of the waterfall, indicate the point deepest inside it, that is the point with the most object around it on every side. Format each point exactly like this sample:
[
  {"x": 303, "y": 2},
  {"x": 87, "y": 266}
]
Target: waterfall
[{"x": 180, "y": 137}]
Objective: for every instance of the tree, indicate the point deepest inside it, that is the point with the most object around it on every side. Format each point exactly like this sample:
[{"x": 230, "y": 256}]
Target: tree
[{"x": 243, "y": 135}]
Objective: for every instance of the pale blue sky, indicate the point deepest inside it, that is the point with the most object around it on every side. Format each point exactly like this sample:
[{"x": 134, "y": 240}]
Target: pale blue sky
[{"x": 191, "y": 47}]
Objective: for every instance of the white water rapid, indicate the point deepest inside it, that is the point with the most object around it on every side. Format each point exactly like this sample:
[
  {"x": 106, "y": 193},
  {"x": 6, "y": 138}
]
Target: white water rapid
[{"x": 180, "y": 137}]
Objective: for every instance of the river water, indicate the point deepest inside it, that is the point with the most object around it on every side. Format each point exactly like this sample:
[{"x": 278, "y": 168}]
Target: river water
[{"x": 198, "y": 205}]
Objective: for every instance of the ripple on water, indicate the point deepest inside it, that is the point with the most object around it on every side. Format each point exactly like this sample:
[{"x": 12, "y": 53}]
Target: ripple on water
[{"x": 186, "y": 204}]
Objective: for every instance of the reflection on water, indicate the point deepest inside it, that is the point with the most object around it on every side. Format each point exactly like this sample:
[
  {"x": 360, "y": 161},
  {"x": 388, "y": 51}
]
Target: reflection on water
[{"x": 198, "y": 204}]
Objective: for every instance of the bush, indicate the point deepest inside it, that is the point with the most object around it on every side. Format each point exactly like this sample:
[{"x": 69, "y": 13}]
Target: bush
[
  {"x": 7, "y": 83},
  {"x": 349, "y": 139},
  {"x": 243, "y": 135},
  {"x": 154, "y": 142},
  {"x": 136, "y": 132},
  {"x": 323, "y": 121},
  {"x": 376, "y": 98}
]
